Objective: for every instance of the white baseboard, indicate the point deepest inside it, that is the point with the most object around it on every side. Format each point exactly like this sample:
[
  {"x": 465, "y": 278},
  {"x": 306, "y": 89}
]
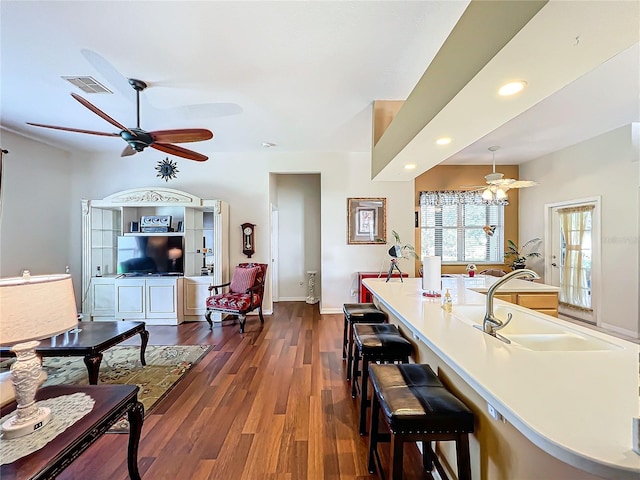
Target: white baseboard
[
  {"x": 292, "y": 299},
  {"x": 329, "y": 311},
  {"x": 620, "y": 331}
]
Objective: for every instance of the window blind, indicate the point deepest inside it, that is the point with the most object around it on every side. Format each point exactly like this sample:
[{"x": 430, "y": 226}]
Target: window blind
[{"x": 461, "y": 227}]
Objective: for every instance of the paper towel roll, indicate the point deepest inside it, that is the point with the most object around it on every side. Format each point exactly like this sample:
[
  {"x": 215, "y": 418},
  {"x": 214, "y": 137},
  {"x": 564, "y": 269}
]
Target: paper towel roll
[{"x": 431, "y": 273}]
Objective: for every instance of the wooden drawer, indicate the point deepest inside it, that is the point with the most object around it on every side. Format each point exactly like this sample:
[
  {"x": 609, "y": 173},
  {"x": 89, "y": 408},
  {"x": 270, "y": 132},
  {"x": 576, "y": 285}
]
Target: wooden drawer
[
  {"x": 507, "y": 297},
  {"x": 548, "y": 311},
  {"x": 538, "y": 300}
]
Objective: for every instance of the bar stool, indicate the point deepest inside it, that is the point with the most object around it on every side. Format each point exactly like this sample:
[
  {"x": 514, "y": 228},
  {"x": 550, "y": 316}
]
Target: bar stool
[
  {"x": 374, "y": 342},
  {"x": 416, "y": 406},
  {"x": 357, "y": 313}
]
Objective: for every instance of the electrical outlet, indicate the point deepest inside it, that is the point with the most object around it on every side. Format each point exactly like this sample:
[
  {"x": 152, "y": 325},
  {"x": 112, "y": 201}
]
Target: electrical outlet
[
  {"x": 354, "y": 293},
  {"x": 494, "y": 413}
]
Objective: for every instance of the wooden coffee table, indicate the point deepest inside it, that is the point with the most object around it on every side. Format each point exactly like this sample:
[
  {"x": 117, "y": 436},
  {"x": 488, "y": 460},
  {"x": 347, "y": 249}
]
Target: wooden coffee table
[
  {"x": 111, "y": 403},
  {"x": 89, "y": 341}
]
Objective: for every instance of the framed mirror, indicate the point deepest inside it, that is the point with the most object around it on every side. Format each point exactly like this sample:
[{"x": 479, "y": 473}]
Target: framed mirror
[{"x": 366, "y": 221}]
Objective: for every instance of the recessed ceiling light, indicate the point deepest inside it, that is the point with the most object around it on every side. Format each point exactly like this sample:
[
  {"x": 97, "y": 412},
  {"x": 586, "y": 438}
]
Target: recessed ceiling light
[
  {"x": 512, "y": 88},
  {"x": 268, "y": 144},
  {"x": 443, "y": 141},
  {"x": 410, "y": 166}
]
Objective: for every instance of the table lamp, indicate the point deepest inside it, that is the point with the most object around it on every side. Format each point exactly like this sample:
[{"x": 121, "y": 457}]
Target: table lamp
[{"x": 32, "y": 308}]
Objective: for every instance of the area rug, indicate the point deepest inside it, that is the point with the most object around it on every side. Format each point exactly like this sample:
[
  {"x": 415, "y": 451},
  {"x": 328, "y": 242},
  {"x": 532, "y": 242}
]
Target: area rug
[{"x": 166, "y": 365}]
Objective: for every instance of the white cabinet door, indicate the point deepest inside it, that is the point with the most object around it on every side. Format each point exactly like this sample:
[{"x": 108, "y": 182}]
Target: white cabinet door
[
  {"x": 196, "y": 291},
  {"x": 161, "y": 298},
  {"x": 130, "y": 301},
  {"x": 103, "y": 305}
]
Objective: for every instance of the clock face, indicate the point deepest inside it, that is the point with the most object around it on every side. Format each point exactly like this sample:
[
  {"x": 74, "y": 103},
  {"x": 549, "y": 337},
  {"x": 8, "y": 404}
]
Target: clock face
[{"x": 247, "y": 231}]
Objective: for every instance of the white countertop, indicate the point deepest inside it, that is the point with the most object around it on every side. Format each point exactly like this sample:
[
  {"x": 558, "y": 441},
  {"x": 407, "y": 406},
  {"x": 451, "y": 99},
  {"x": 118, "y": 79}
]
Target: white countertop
[
  {"x": 577, "y": 405},
  {"x": 481, "y": 283}
]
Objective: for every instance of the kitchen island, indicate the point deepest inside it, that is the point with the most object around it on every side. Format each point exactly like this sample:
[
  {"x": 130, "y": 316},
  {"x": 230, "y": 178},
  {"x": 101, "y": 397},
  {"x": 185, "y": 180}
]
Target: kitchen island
[{"x": 541, "y": 413}]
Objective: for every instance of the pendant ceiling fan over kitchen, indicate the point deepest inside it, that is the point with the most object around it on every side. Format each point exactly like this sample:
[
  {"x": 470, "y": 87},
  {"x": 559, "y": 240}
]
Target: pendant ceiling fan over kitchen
[
  {"x": 497, "y": 186},
  {"x": 139, "y": 139}
]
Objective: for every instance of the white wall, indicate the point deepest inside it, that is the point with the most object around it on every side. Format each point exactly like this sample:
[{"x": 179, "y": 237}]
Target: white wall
[
  {"x": 298, "y": 200},
  {"x": 35, "y": 231},
  {"x": 42, "y": 217},
  {"x": 605, "y": 166}
]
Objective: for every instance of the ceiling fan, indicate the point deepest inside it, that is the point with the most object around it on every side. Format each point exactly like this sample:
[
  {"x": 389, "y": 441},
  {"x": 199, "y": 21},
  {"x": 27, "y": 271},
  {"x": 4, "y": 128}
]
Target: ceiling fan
[
  {"x": 138, "y": 139},
  {"x": 497, "y": 186}
]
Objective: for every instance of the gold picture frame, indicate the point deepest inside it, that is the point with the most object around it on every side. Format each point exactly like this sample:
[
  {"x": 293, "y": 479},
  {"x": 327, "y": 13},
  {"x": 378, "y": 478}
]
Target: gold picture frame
[{"x": 366, "y": 221}]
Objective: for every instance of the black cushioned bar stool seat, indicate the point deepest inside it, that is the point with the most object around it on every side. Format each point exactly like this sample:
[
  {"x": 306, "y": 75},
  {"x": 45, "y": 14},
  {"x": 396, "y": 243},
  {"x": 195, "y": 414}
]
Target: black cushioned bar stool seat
[
  {"x": 357, "y": 313},
  {"x": 416, "y": 406},
  {"x": 374, "y": 342}
]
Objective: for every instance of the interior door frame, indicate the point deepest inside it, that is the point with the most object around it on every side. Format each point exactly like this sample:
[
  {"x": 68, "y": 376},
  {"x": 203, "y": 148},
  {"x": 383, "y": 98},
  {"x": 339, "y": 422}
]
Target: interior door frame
[
  {"x": 596, "y": 247},
  {"x": 274, "y": 252}
]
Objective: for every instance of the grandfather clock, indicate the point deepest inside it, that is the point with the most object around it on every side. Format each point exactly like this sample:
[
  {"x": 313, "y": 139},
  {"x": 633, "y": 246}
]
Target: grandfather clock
[{"x": 248, "y": 236}]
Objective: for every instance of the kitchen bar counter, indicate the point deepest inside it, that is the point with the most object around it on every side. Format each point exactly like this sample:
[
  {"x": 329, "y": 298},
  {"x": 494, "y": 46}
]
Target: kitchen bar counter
[{"x": 577, "y": 406}]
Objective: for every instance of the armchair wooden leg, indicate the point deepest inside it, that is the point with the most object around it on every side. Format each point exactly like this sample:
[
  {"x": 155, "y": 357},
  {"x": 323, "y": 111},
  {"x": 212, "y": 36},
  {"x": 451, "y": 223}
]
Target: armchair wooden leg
[
  {"x": 242, "y": 319},
  {"x": 207, "y": 317},
  {"x": 260, "y": 313}
]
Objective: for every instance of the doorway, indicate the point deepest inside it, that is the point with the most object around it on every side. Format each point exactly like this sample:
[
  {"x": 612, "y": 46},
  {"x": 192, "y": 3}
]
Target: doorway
[
  {"x": 295, "y": 235},
  {"x": 573, "y": 256}
]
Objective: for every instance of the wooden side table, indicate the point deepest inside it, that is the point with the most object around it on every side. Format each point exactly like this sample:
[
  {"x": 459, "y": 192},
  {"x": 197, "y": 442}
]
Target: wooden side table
[
  {"x": 111, "y": 403},
  {"x": 89, "y": 341}
]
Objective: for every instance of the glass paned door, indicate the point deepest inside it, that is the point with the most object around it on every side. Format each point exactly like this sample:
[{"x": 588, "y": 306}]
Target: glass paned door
[{"x": 572, "y": 259}]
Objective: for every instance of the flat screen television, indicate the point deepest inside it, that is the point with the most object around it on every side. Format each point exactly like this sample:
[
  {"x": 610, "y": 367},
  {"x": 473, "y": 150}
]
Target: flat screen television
[{"x": 151, "y": 255}]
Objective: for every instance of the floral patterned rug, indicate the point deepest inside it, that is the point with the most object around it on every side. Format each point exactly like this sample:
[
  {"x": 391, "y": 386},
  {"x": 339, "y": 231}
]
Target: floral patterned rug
[{"x": 166, "y": 365}]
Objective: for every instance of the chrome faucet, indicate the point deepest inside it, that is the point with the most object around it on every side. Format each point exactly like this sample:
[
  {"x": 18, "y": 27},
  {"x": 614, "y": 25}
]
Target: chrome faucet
[{"x": 491, "y": 324}]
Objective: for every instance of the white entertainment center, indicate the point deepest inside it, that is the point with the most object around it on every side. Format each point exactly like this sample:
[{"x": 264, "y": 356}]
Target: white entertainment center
[{"x": 162, "y": 295}]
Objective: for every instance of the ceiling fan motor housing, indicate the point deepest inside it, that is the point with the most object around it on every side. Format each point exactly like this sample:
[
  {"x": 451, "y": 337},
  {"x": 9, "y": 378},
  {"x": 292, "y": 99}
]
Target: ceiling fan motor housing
[
  {"x": 139, "y": 141},
  {"x": 492, "y": 177}
]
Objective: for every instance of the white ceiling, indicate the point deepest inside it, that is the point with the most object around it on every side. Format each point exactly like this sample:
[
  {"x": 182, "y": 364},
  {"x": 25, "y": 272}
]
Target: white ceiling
[{"x": 301, "y": 75}]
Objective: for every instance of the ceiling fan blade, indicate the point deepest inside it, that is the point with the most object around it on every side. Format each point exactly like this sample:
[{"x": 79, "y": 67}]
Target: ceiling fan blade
[
  {"x": 181, "y": 136},
  {"x": 523, "y": 184},
  {"x": 109, "y": 72},
  {"x": 128, "y": 151},
  {"x": 207, "y": 110},
  {"x": 101, "y": 114},
  {"x": 179, "y": 151},
  {"x": 77, "y": 130}
]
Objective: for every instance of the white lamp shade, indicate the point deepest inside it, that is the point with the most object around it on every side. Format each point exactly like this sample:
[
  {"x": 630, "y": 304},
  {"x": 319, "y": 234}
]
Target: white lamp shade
[
  {"x": 487, "y": 194},
  {"x": 36, "y": 307}
]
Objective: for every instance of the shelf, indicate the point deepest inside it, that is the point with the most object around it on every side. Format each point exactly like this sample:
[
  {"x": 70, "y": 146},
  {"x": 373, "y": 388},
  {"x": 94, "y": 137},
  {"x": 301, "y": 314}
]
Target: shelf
[{"x": 153, "y": 234}]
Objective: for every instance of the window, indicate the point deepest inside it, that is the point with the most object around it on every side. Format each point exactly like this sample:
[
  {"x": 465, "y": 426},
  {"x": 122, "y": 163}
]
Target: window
[
  {"x": 461, "y": 227},
  {"x": 575, "y": 260}
]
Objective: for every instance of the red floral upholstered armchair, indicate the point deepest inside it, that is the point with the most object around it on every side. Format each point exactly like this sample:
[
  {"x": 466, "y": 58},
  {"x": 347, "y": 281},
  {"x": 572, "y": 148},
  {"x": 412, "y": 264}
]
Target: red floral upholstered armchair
[{"x": 245, "y": 293}]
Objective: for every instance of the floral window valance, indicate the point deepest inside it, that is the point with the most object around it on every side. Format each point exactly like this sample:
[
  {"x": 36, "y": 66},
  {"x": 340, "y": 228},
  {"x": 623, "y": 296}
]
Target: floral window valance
[{"x": 457, "y": 197}]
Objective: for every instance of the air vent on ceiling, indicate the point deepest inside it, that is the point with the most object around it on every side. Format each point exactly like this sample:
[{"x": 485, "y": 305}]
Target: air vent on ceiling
[{"x": 87, "y": 84}]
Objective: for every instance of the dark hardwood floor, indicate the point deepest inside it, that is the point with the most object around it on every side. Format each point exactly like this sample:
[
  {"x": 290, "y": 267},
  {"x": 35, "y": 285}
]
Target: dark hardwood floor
[{"x": 272, "y": 404}]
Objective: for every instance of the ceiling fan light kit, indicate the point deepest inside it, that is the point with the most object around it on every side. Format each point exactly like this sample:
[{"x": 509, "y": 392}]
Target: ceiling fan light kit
[{"x": 139, "y": 139}]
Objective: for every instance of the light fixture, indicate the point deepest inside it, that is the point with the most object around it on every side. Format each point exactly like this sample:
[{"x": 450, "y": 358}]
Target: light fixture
[
  {"x": 511, "y": 88},
  {"x": 410, "y": 166},
  {"x": 494, "y": 191},
  {"x": 268, "y": 144},
  {"x": 32, "y": 308},
  {"x": 443, "y": 141}
]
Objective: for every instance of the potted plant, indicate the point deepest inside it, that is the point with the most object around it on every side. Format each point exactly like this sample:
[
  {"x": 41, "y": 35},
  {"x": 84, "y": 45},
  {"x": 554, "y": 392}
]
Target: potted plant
[
  {"x": 516, "y": 257},
  {"x": 398, "y": 250}
]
